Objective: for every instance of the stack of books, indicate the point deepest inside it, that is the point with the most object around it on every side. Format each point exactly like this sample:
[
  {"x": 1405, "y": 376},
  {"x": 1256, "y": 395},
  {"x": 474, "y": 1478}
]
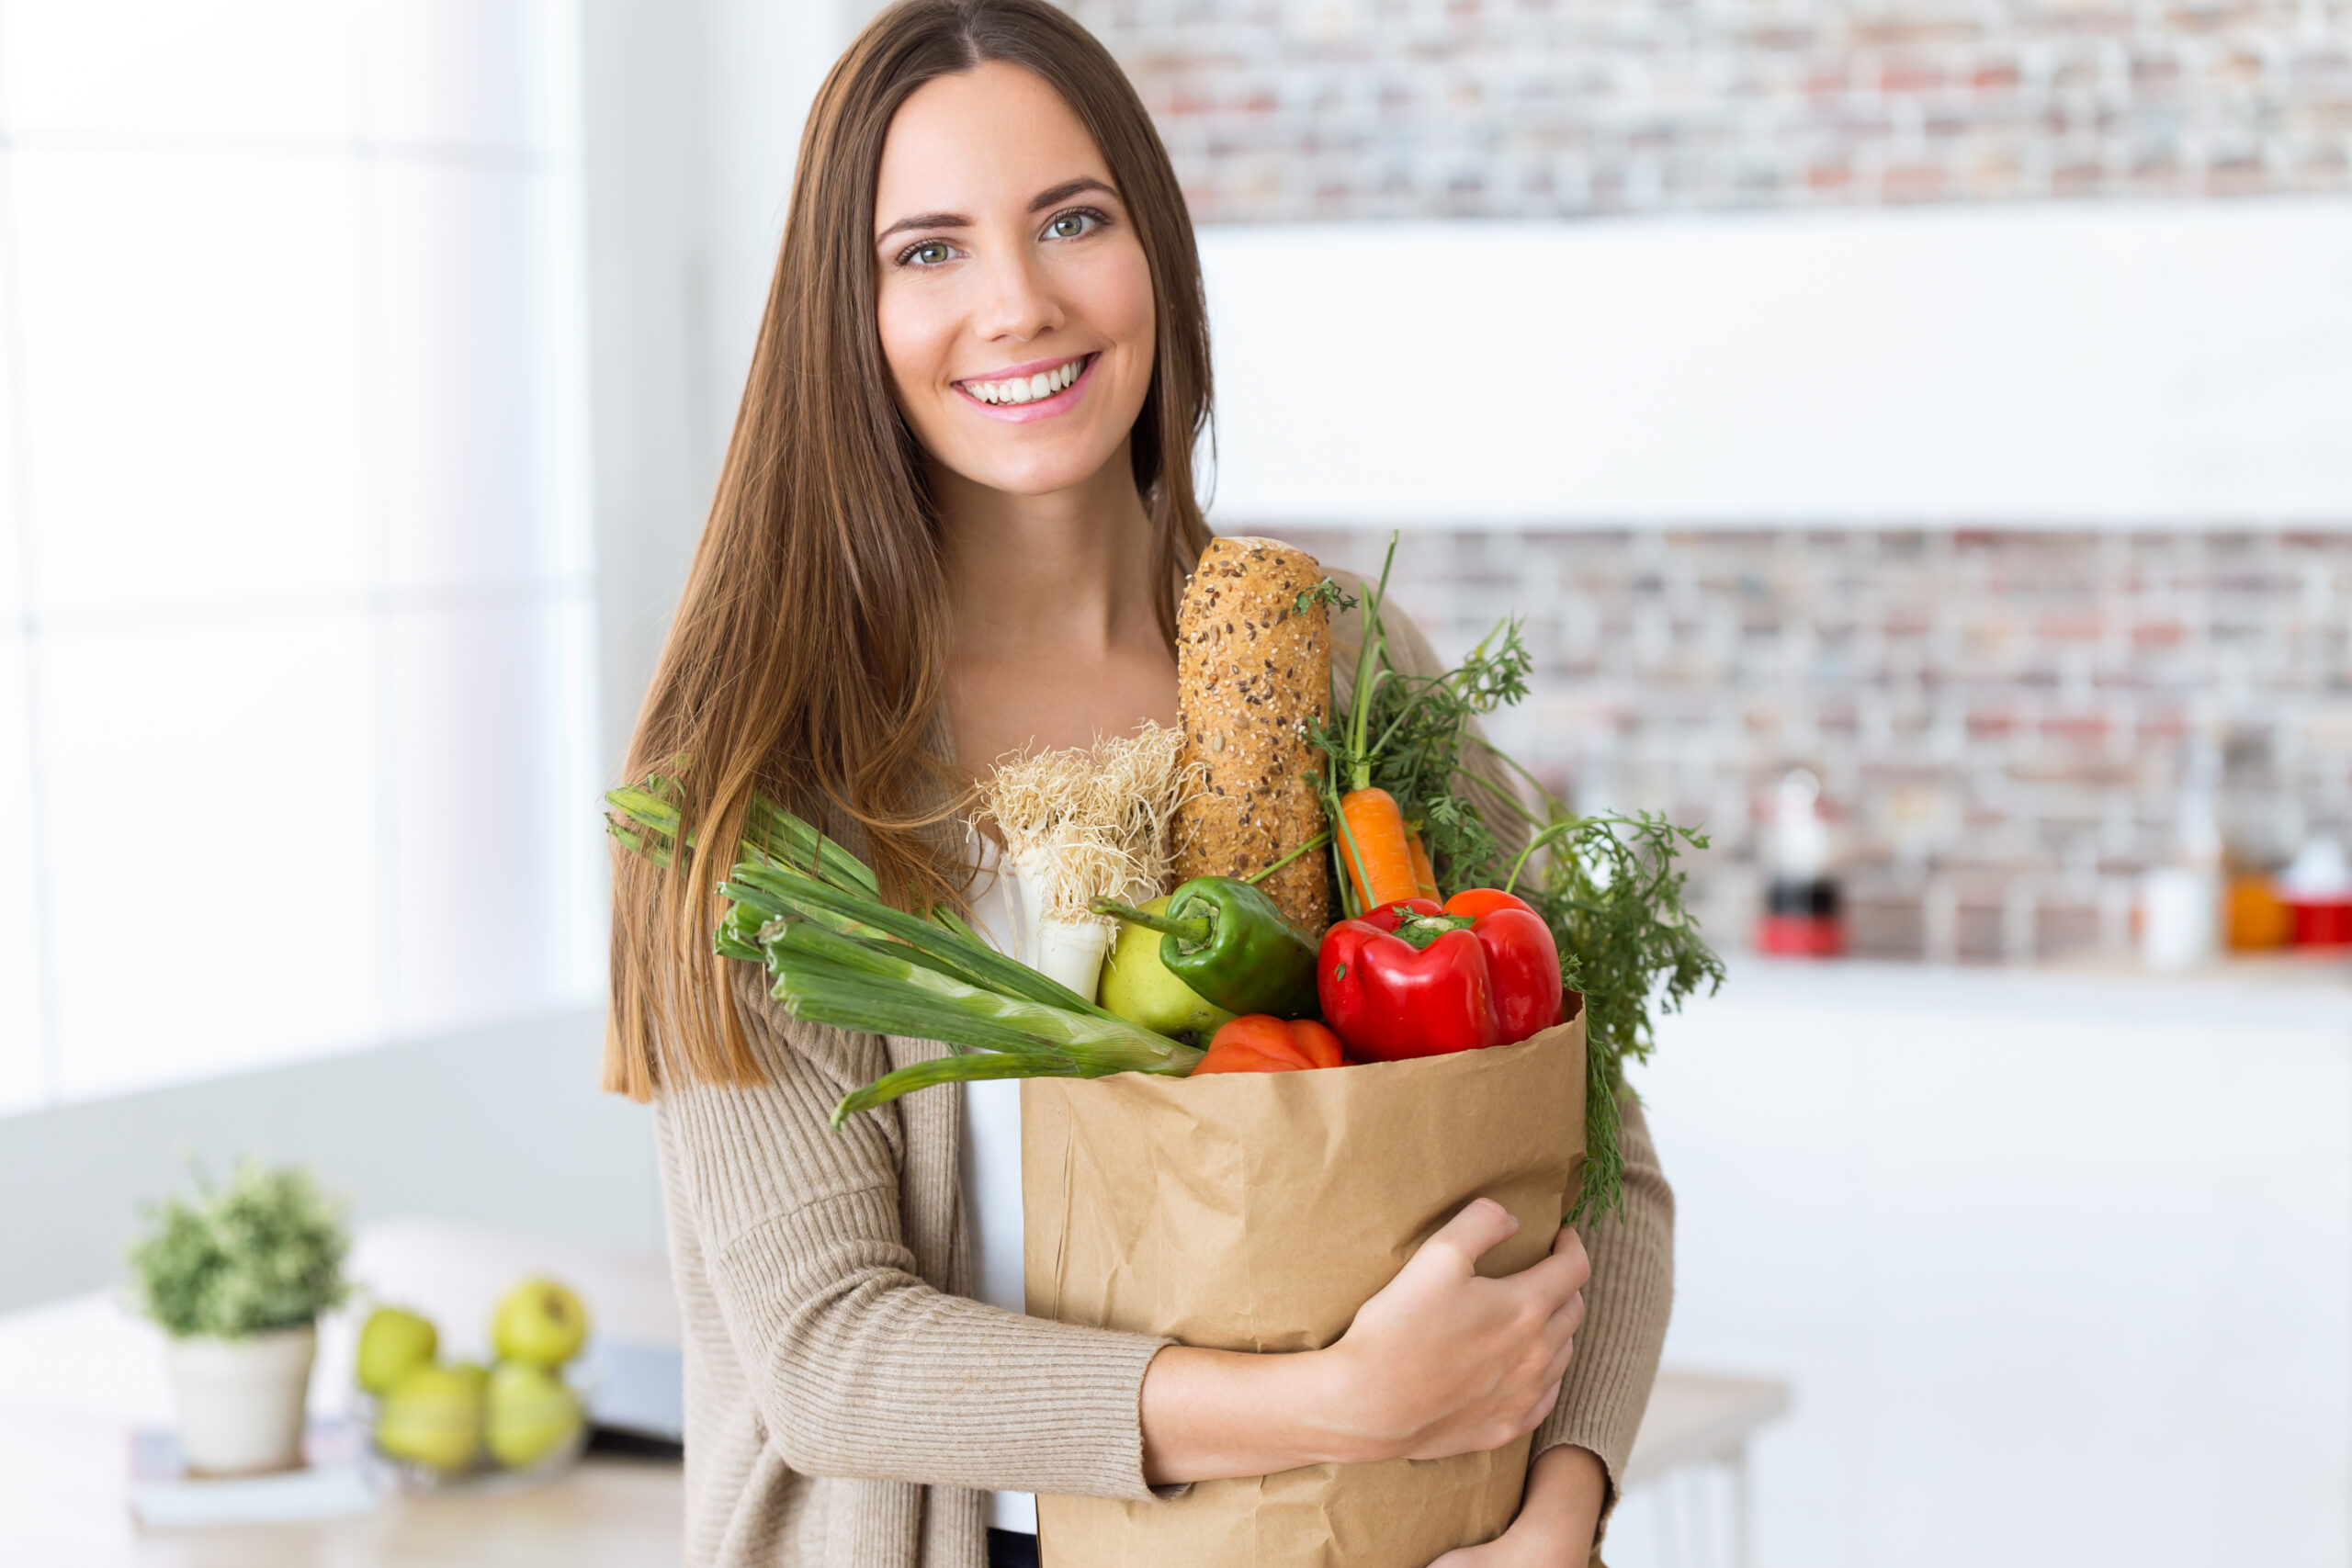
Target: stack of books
[{"x": 334, "y": 1481}]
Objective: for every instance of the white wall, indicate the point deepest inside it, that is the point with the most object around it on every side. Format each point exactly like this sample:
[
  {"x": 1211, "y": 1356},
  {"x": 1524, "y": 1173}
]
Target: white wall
[
  {"x": 694, "y": 113},
  {"x": 691, "y": 112},
  {"x": 500, "y": 1127},
  {"x": 2051, "y": 365}
]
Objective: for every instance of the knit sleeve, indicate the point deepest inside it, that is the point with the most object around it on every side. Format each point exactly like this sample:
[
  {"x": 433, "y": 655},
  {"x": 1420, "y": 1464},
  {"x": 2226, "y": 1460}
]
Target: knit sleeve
[
  {"x": 1626, "y": 1306},
  {"x": 860, "y": 1367}
]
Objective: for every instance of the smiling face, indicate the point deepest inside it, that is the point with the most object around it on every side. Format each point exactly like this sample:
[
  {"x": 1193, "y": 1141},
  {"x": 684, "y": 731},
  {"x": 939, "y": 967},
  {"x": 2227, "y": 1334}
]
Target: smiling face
[{"x": 1014, "y": 300}]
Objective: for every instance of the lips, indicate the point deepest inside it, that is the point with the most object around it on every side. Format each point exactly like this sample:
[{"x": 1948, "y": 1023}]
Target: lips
[{"x": 1019, "y": 385}]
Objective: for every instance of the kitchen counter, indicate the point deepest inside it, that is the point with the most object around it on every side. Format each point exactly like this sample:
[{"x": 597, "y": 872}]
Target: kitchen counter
[
  {"x": 77, "y": 1375},
  {"x": 61, "y": 1507},
  {"x": 2058, "y": 1262}
]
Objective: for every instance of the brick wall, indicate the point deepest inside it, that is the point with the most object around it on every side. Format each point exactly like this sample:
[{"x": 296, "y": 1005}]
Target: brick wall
[
  {"x": 1279, "y": 110},
  {"x": 2004, "y": 723}
]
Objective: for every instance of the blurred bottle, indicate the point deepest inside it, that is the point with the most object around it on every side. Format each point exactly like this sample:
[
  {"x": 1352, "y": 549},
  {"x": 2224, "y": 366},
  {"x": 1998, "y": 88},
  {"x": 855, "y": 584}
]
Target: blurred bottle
[
  {"x": 2318, "y": 891},
  {"x": 2258, "y": 830},
  {"x": 2180, "y": 901},
  {"x": 2253, "y": 914},
  {"x": 1803, "y": 914}
]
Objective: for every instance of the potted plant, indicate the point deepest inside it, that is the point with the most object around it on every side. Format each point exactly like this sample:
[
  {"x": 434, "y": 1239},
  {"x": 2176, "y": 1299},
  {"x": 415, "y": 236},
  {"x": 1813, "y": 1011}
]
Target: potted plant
[{"x": 237, "y": 1276}]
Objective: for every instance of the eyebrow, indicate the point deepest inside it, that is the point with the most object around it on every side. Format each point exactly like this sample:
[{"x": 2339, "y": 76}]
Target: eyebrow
[{"x": 1038, "y": 203}]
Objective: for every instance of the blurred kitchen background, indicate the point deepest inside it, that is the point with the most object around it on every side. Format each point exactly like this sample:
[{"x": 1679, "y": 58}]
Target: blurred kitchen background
[{"x": 1933, "y": 413}]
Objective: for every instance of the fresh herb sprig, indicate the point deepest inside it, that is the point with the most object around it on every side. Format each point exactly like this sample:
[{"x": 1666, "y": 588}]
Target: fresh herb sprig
[{"x": 1609, "y": 888}]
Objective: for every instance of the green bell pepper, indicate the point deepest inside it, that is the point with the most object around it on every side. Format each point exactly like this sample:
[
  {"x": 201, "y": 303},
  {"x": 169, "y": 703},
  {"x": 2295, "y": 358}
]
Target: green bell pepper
[{"x": 1228, "y": 940}]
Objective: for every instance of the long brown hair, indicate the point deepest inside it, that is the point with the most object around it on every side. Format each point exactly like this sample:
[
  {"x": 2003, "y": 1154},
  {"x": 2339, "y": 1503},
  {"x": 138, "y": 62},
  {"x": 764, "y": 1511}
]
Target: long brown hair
[{"x": 809, "y": 656}]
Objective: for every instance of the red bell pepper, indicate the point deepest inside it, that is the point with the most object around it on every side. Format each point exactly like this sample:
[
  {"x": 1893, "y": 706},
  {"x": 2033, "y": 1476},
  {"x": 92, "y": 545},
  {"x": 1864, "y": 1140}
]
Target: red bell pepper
[
  {"x": 1260, "y": 1042},
  {"x": 1415, "y": 978}
]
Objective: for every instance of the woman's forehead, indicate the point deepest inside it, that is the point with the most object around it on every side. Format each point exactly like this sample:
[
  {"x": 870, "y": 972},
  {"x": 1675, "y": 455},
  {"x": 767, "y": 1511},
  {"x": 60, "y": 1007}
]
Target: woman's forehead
[{"x": 979, "y": 142}]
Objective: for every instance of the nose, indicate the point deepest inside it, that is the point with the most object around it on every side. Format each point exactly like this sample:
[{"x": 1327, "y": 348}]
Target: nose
[{"x": 1021, "y": 301}]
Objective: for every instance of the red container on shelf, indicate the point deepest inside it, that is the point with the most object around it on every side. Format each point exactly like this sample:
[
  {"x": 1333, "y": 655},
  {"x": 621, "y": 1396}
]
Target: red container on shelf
[
  {"x": 2322, "y": 922},
  {"x": 1802, "y": 919},
  {"x": 2317, "y": 889}
]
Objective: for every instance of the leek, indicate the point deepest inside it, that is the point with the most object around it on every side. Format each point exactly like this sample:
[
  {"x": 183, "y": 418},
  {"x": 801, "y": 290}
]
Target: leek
[{"x": 809, "y": 911}]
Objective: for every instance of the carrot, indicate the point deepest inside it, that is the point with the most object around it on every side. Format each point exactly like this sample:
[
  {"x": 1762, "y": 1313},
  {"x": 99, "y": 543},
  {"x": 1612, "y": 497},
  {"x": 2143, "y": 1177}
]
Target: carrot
[
  {"x": 1424, "y": 873},
  {"x": 1379, "y": 861}
]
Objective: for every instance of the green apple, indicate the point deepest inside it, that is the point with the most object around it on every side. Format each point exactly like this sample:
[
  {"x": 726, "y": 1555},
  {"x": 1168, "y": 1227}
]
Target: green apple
[
  {"x": 532, "y": 1414},
  {"x": 1140, "y": 988},
  {"x": 434, "y": 1417},
  {"x": 539, "y": 1321},
  {"x": 476, "y": 1377},
  {"x": 391, "y": 1343}
]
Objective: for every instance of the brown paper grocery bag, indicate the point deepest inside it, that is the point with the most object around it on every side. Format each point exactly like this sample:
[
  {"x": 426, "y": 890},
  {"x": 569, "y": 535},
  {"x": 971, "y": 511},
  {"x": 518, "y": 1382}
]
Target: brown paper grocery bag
[{"x": 1258, "y": 1212}]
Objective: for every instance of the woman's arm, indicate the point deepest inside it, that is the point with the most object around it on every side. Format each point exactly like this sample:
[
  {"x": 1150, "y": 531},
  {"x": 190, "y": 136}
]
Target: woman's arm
[
  {"x": 857, "y": 1365},
  {"x": 1558, "y": 1521},
  {"x": 860, "y": 1367},
  {"x": 1629, "y": 1300},
  {"x": 1581, "y": 1448}
]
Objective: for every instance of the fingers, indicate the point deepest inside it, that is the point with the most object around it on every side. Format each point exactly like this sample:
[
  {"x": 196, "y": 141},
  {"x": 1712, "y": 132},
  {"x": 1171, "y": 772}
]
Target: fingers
[
  {"x": 1482, "y": 1225},
  {"x": 1558, "y": 1277},
  {"x": 1565, "y": 1319},
  {"x": 1569, "y": 1247},
  {"x": 1560, "y": 1338}
]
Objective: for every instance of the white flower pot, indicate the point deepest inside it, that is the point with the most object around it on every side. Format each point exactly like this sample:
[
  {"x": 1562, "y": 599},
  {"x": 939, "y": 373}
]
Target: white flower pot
[{"x": 241, "y": 1401}]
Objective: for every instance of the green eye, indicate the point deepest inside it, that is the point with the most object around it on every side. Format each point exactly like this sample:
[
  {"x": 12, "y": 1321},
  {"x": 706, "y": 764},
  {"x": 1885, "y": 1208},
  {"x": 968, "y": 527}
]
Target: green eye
[
  {"x": 930, "y": 253},
  {"x": 1068, "y": 226}
]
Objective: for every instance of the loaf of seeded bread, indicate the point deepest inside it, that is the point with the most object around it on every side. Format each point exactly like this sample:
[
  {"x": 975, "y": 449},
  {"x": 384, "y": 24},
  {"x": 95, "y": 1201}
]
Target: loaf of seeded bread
[{"x": 1252, "y": 669}]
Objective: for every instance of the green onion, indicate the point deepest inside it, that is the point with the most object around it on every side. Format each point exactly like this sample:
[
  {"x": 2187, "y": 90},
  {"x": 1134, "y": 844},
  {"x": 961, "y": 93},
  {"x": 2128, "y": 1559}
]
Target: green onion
[{"x": 809, "y": 911}]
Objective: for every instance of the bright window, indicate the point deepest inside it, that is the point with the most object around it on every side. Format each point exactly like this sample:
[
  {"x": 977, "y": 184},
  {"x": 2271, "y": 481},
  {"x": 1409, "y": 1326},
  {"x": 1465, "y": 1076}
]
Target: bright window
[{"x": 297, "y": 747}]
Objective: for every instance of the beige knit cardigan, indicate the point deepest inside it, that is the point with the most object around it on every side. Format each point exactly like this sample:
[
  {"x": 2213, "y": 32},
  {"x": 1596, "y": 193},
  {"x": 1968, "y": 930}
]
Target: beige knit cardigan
[{"x": 849, "y": 1406}]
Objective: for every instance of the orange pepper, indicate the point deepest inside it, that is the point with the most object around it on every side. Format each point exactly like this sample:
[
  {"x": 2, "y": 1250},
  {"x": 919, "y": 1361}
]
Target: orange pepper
[{"x": 1260, "y": 1042}]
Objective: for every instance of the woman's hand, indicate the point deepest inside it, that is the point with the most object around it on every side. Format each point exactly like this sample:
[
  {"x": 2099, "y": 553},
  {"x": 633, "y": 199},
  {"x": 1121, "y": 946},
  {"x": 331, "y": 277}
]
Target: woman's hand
[
  {"x": 1441, "y": 1362},
  {"x": 1561, "y": 1514}
]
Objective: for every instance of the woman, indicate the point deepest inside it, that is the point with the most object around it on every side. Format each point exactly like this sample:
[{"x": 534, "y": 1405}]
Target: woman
[{"x": 953, "y": 522}]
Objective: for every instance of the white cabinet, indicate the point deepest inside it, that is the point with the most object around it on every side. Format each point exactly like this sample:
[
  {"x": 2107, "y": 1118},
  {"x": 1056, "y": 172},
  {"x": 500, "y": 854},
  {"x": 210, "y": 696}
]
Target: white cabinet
[{"x": 2060, "y": 1267}]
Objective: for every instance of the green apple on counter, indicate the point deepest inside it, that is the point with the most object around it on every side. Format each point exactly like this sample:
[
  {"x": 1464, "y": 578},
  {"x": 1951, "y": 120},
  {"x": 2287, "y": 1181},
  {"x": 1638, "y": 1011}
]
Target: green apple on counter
[
  {"x": 443, "y": 1416},
  {"x": 1138, "y": 988},
  {"x": 434, "y": 1415},
  {"x": 394, "y": 1342},
  {"x": 540, "y": 1323},
  {"x": 476, "y": 1375},
  {"x": 532, "y": 1414}
]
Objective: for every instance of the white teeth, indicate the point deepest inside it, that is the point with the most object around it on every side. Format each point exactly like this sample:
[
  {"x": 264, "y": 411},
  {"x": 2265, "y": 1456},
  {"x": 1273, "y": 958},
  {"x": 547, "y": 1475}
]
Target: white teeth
[{"x": 1027, "y": 389}]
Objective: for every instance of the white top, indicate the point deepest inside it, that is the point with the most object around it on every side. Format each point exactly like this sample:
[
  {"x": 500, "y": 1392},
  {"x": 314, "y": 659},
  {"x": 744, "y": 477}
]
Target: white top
[{"x": 991, "y": 1157}]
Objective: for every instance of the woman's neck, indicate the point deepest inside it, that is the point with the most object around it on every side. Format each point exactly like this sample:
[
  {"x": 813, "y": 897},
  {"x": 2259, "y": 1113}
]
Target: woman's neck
[
  {"x": 1055, "y": 601},
  {"x": 1068, "y": 574}
]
